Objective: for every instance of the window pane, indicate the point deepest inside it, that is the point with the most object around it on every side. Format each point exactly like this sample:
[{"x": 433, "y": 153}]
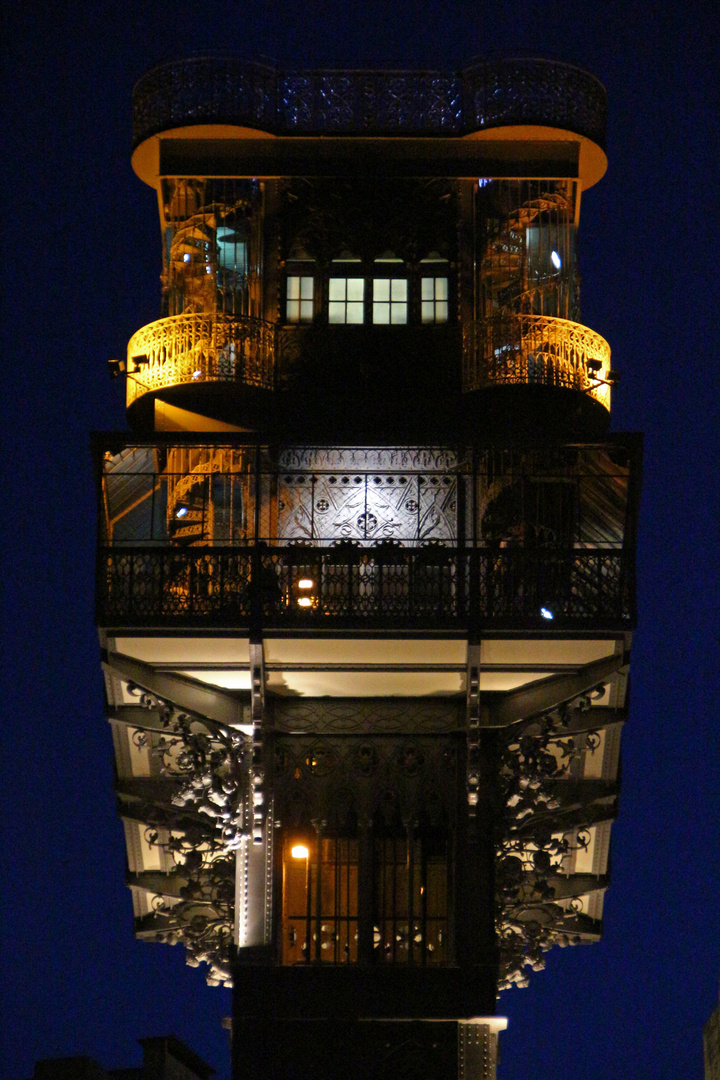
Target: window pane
[
  {"x": 356, "y": 289},
  {"x": 306, "y": 310},
  {"x": 428, "y": 311},
  {"x": 336, "y": 311},
  {"x": 441, "y": 311},
  {"x": 399, "y": 289},
  {"x": 398, "y": 313},
  {"x": 355, "y": 312},
  {"x": 381, "y": 313},
  {"x": 381, "y": 289},
  {"x": 293, "y": 288},
  {"x": 441, "y": 288},
  {"x": 337, "y": 288},
  {"x": 306, "y": 288}
]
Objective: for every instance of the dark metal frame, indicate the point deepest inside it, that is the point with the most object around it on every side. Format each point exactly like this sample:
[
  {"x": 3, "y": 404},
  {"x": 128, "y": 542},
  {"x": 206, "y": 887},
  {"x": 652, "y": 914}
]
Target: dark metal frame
[{"x": 494, "y": 93}]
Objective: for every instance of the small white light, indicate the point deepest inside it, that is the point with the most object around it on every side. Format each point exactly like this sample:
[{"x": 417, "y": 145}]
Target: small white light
[
  {"x": 208, "y": 269},
  {"x": 483, "y": 182},
  {"x": 305, "y": 583},
  {"x": 546, "y": 613},
  {"x": 197, "y": 374},
  {"x": 299, "y": 851},
  {"x": 186, "y": 257},
  {"x": 555, "y": 260},
  {"x": 305, "y": 601},
  {"x": 181, "y": 511}
]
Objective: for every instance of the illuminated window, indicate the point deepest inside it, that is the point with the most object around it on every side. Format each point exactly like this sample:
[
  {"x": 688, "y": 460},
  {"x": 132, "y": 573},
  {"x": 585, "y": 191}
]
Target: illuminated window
[
  {"x": 299, "y": 298},
  {"x": 390, "y": 300},
  {"x": 434, "y": 299},
  {"x": 346, "y": 300}
]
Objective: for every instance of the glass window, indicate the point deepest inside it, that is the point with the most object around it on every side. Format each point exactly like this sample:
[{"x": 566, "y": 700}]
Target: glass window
[
  {"x": 434, "y": 299},
  {"x": 390, "y": 300},
  {"x": 346, "y": 300},
  {"x": 299, "y": 298}
]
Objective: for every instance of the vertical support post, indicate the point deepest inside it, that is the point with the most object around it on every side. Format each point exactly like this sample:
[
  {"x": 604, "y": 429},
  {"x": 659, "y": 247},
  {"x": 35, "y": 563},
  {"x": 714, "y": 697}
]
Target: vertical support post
[
  {"x": 255, "y": 858},
  {"x": 477, "y": 1047}
]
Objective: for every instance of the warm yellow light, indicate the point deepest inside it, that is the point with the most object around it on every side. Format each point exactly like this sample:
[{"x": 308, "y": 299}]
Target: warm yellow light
[
  {"x": 305, "y": 601},
  {"x": 299, "y": 851},
  {"x": 305, "y": 583}
]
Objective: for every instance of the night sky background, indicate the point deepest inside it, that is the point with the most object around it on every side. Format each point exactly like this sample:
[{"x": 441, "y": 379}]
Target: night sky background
[{"x": 82, "y": 261}]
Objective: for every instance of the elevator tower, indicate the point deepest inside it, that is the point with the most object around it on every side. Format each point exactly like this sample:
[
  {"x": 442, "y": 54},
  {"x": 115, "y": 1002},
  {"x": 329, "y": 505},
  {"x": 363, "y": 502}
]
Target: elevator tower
[{"x": 366, "y": 568}]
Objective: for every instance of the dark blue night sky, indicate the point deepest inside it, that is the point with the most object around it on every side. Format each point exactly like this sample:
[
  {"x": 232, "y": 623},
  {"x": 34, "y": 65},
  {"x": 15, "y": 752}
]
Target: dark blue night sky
[{"x": 81, "y": 267}]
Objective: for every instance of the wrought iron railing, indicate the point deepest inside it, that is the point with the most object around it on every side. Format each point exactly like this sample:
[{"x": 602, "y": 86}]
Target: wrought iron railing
[
  {"x": 493, "y": 93},
  {"x": 197, "y": 348},
  {"x": 535, "y": 349},
  {"x": 437, "y": 587}
]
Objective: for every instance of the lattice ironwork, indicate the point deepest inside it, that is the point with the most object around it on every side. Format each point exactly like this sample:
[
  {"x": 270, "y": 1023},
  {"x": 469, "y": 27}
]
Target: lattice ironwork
[
  {"x": 531, "y": 919},
  {"x": 314, "y": 587},
  {"x": 527, "y": 350},
  {"x": 228, "y": 90},
  {"x": 197, "y": 348}
]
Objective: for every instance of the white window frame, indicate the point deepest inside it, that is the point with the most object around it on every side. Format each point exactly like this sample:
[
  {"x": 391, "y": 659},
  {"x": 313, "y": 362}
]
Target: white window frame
[
  {"x": 299, "y": 298},
  {"x": 346, "y": 300}
]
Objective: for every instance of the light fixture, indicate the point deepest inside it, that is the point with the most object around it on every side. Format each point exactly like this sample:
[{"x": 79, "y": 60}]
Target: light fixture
[
  {"x": 299, "y": 851},
  {"x": 546, "y": 613},
  {"x": 186, "y": 257},
  {"x": 305, "y": 601},
  {"x": 305, "y": 583},
  {"x": 181, "y": 510},
  {"x": 555, "y": 260},
  {"x": 197, "y": 374}
]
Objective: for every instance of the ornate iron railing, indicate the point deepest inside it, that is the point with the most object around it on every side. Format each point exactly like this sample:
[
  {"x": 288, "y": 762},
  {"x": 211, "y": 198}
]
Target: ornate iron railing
[
  {"x": 196, "y": 348},
  {"x": 535, "y": 349},
  {"x": 493, "y": 93},
  {"x": 438, "y": 587}
]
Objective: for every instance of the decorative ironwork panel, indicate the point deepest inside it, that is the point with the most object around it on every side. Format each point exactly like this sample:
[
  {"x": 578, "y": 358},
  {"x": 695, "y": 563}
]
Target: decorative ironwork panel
[
  {"x": 368, "y": 496},
  {"x": 526, "y": 350},
  {"x": 197, "y": 348},
  {"x": 490, "y": 94},
  {"x": 528, "y": 91},
  {"x": 372, "y": 716},
  {"x": 403, "y": 587}
]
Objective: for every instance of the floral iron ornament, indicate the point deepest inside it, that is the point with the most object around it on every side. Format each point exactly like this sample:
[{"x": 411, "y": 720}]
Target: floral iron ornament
[
  {"x": 533, "y": 844},
  {"x": 209, "y": 761}
]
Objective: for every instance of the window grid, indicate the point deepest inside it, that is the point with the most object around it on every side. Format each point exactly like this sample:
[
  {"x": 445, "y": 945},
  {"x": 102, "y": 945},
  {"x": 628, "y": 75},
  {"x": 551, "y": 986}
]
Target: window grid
[
  {"x": 346, "y": 300},
  {"x": 434, "y": 299},
  {"x": 390, "y": 296},
  {"x": 299, "y": 298}
]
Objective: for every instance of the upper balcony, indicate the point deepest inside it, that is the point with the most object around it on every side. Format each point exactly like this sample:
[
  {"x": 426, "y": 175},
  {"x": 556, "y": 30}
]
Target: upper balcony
[
  {"x": 484, "y": 95},
  {"x": 238, "y": 356},
  {"x": 200, "y": 349},
  {"x": 536, "y": 350}
]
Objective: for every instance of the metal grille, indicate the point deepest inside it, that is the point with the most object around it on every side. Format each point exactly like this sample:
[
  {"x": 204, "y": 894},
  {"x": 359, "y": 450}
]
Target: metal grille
[{"x": 494, "y": 93}]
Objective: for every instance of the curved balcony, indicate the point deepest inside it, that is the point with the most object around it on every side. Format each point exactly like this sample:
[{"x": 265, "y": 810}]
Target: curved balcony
[
  {"x": 200, "y": 348},
  {"x": 493, "y": 93},
  {"x": 536, "y": 350}
]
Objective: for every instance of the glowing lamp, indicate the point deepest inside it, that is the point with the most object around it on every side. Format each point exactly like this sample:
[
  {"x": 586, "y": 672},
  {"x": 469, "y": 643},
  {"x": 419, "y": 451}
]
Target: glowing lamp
[
  {"x": 305, "y": 601},
  {"x": 546, "y": 613},
  {"x": 305, "y": 583},
  {"x": 299, "y": 851},
  {"x": 555, "y": 260},
  {"x": 181, "y": 510}
]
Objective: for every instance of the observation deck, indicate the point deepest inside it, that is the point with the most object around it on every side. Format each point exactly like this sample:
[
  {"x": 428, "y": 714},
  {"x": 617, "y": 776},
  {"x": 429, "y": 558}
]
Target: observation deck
[{"x": 489, "y": 95}]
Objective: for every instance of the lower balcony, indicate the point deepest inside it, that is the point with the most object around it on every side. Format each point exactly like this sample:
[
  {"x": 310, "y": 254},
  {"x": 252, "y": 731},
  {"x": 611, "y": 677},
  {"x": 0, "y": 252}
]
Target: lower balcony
[
  {"x": 310, "y": 588},
  {"x": 536, "y": 350},
  {"x": 200, "y": 348}
]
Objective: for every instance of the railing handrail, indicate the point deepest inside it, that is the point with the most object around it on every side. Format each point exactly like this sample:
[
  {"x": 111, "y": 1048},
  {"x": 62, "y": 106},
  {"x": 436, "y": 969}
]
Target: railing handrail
[
  {"x": 197, "y": 346},
  {"x": 485, "y": 94},
  {"x": 520, "y": 349}
]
